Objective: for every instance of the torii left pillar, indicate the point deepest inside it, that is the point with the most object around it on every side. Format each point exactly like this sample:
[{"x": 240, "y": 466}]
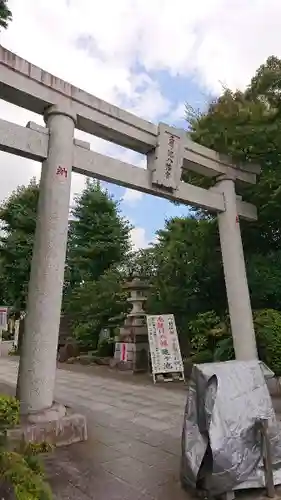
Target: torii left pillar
[{"x": 37, "y": 370}]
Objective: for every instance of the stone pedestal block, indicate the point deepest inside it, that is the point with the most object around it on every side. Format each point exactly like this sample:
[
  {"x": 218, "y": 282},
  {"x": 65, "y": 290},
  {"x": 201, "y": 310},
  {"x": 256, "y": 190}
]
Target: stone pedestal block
[
  {"x": 57, "y": 426},
  {"x": 136, "y": 356}
]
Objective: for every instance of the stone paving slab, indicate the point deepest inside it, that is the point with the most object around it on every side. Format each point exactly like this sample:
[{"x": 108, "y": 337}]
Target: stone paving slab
[
  {"x": 120, "y": 467},
  {"x": 133, "y": 451}
]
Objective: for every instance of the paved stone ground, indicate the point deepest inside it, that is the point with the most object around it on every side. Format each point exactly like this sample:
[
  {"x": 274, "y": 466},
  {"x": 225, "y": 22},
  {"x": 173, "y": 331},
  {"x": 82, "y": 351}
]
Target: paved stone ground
[
  {"x": 133, "y": 450},
  {"x": 134, "y": 439}
]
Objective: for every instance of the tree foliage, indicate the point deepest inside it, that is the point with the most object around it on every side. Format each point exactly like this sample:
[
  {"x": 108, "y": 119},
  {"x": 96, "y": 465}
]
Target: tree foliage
[
  {"x": 21, "y": 470},
  {"x": 99, "y": 242},
  {"x": 188, "y": 276},
  {"x": 18, "y": 222},
  {"x": 245, "y": 125},
  {"x": 185, "y": 271},
  {"x": 212, "y": 341},
  {"x": 142, "y": 263},
  {"x": 98, "y": 234},
  {"x": 92, "y": 304},
  {"x": 5, "y": 14},
  {"x": 268, "y": 333}
]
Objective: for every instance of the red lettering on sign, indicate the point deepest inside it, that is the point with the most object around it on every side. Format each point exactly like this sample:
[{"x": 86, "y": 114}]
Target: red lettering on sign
[
  {"x": 160, "y": 323},
  {"x": 163, "y": 342}
]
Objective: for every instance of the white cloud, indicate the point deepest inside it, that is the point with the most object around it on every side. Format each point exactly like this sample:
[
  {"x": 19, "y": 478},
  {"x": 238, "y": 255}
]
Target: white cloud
[
  {"x": 60, "y": 54},
  {"x": 101, "y": 44},
  {"x": 217, "y": 38},
  {"x": 131, "y": 196},
  {"x": 108, "y": 48},
  {"x": 148, "y": 101},
  {"x": 176, "y": 114},
  {"x": 139, "y": 238}
]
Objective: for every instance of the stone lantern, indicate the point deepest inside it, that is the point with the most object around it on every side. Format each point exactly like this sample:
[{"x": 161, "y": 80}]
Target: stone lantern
[{"x": 132, "y": 349}]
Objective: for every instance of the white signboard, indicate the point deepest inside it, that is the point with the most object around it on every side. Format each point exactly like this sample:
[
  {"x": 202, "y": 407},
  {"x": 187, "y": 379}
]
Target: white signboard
[
  {"x": 3, "y": 318},
  {"x": 164, "y": 345}
]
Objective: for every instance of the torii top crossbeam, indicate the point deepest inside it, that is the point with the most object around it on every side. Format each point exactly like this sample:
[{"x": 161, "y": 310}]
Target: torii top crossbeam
[
  {"x": 28, "y": 86},
  {"x": 36, "y": 89}
]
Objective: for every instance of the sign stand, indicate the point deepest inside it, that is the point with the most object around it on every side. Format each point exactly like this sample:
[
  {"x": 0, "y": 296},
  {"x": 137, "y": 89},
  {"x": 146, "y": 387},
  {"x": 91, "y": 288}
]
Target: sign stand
[{"x": 166, "y": 359}]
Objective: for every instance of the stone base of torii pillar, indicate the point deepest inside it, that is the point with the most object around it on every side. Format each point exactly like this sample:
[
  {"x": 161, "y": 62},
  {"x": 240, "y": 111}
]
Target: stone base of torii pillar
[{"x": 57, "y": 425}]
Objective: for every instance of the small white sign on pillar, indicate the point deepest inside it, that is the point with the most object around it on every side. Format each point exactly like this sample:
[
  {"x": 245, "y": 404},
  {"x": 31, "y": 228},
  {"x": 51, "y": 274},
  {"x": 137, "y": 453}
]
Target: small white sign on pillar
[
  {"x": 16, "y": 336},
  {"x": 121, "y": 351},
  {"x": 3, "y": 320},
  {"x": 166, "y": 359}
]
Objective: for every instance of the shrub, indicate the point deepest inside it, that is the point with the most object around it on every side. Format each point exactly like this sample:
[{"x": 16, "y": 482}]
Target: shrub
[
  {"x": 9, "y": 412},
  {"x": 7, "y": 335},
  {"x": 211, "y": 339},
  {"x": 224, "y": 350},
  {"x": 268, "y": 334},
  {"x": 267, "y": 323},
  {"x": 21, "y": 468},
  {"x": 205, "y": 331},
  {"x": 27, "y": 480},
  {"x": 106, "y": 348},
  {"x": 205, "y": 356}
]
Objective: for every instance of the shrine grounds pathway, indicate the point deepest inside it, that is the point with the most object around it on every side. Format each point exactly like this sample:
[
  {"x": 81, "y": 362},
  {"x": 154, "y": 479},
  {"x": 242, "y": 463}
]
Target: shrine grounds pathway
[
  {"x": 133, "y": 450},
  {"x": 134, "y": 438}
]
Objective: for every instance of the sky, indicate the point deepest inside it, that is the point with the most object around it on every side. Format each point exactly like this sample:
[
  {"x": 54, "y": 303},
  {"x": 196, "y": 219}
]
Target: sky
[{"x": 149, "y": 57}]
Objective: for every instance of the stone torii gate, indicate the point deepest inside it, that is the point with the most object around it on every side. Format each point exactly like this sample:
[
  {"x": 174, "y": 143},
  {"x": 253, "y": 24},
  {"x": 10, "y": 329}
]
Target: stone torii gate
[{"x": 168, "y": 151}]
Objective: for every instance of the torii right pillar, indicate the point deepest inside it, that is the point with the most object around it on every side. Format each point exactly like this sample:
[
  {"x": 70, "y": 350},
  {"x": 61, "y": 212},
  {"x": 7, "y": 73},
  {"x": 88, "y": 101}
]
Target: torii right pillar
[{"x": 239, "y": 304}]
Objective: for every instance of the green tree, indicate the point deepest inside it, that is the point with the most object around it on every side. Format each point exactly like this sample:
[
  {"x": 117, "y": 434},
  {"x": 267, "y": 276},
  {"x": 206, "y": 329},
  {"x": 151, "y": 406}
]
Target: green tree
[
  {"x": 93, "y": 303},
  {"x": 267, "y": 323},
  {"x": 209, "y": 333},
  {"x": 188, "y": 277},
  {"x": 98, "y": 235},
  {"x": 5, "y": 14},
  {"x": 191, "y": 266},
  {"x": 99, "y": 243},
  {"x": 246, "y": 125},
  {"x": 141, "y": 263},
  {"x": 185, "y": 272},
  {"x": 18, "y": 222}
]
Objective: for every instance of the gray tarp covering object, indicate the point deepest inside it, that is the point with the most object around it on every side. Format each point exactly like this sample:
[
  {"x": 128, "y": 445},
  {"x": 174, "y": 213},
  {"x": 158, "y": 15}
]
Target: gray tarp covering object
[{"x": 221, "y": 447}]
